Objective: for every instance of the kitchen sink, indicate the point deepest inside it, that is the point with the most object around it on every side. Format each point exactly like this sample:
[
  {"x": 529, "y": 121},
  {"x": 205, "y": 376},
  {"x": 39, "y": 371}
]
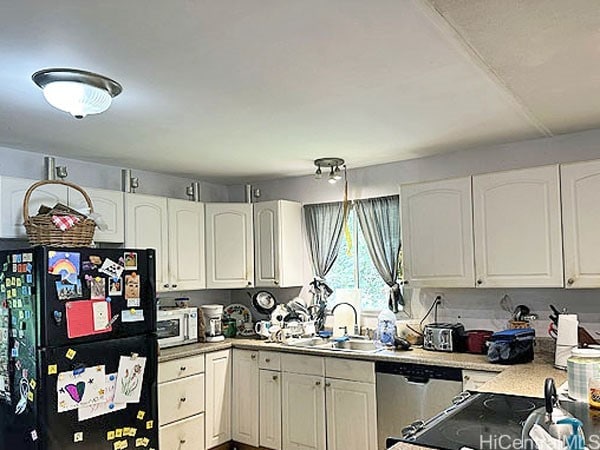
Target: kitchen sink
[
  {"x": 351, "y": 345},
  {"x": 356, "y": 345}
]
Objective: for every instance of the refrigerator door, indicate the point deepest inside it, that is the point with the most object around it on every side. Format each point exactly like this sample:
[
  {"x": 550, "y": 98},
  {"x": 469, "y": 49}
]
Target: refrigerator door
[
  {"x": 111, "y": 295},
  {"x": 135, "y": 424}
]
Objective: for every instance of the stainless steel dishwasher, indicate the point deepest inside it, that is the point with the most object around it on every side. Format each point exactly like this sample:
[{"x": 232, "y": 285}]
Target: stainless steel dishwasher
[{"x": 410, "y": 392}]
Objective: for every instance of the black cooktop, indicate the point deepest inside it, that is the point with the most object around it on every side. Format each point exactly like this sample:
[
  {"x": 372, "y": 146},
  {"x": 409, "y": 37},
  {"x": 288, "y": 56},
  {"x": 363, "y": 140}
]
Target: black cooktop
[{"x": 490, "y": 421}]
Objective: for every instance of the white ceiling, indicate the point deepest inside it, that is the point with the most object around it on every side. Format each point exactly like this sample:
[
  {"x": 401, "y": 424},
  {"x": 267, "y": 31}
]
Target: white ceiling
[{"x": 240, "y": 90}]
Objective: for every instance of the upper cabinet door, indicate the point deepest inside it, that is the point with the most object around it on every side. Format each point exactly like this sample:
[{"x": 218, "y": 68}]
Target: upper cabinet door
[
  {"x": 581, "y": 223},
  {"x": 12, "y": 193},
  {"x": 146, "y": 226},
  {"x": 109, "y": 205},
  {"x": 229, "y": 245},
  {"x": 186, "y": 245},
  {"x": 517, "y": 224},
  {"x": 437, "y": 233},
  {"x": 278, "y": 243}
]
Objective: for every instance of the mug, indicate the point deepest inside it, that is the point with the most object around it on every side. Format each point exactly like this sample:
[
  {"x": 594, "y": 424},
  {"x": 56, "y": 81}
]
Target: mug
[{"x": 262, "y": 328}]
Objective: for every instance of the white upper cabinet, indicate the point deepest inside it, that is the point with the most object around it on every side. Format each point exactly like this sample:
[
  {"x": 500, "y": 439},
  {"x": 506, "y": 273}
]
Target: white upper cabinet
[
  {"x": 229, "y": 245},
  {"x": 278, "y": 243},
  {"x": 109, "y": 205},
  {"x": 437, "y": 233},
  {"x": 12, "y": 193},
  {"x": 581, "y": 223},
  {"x": 186, "y": 245},
  {"x": 146, "y": 226},
  {"x": 517, "y": 224}
]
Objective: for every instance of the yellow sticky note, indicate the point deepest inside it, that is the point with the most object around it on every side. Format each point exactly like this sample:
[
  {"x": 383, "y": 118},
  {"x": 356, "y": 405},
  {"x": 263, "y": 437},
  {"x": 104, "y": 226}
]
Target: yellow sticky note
[
  {"x": 149, "y": 424},
  {"x": 119, "y": 432},
  {"x": 52, "y": 369},
  {"x": 71, "y": 353},
  {"x": 110, "y": 435},
  {"x": 140, "y": 415}
]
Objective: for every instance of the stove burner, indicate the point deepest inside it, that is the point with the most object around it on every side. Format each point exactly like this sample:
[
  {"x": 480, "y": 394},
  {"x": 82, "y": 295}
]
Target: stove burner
[{"x": 509, "y": 406}]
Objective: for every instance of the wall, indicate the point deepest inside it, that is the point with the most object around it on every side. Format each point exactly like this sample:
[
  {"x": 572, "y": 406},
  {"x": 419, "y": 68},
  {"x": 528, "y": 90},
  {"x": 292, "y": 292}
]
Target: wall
[
  {"x": 16, "y": 163},
  {"x": 477, "y": 308}
]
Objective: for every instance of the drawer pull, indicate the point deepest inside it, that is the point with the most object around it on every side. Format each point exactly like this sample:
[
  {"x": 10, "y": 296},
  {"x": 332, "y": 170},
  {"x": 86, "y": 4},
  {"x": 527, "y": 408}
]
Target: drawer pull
[
  {"x": 253, "y": 356},
  {"x": 183, "y": 368},
  {"x": 275, "y": 377},
  {"x": 327, "y": 384},
  {"x": 318, "y": 383},
  {"x": 268, "y": 360},
  {"x": 182, "y": 399}
]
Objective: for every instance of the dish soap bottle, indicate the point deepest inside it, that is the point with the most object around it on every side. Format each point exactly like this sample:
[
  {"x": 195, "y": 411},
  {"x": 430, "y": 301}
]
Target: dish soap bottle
[{"x": 386, "y": 329}]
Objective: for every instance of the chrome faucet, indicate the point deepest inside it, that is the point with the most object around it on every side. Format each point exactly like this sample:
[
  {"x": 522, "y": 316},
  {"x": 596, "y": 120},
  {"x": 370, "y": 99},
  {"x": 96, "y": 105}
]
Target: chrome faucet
[{"x": 356, "y": 327}]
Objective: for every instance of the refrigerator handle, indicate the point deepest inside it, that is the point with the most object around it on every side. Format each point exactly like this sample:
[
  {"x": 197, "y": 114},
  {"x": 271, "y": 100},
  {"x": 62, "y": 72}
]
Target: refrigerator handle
[{"x": 186, "y": 327}]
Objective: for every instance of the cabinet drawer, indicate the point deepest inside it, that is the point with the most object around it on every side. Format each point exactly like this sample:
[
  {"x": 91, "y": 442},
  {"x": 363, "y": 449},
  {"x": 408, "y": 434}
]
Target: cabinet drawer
[
  {"x": 347, "y": 369},
  {"x": 269, "y": 360},
  {"x": 307, "y": 365},
  {"x": 180, "y": 399},
  {"x": 180, "y": 368},
  {"x": 187, "y": 434}
]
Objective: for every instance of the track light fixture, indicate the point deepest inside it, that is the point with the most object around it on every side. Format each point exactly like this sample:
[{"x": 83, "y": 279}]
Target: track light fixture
[{"x": 334, "y": 164}]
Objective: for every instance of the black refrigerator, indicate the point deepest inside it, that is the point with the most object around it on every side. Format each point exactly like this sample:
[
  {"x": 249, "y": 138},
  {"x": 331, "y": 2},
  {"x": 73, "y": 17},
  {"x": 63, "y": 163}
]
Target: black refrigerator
[{"x": 78, "y": 349}]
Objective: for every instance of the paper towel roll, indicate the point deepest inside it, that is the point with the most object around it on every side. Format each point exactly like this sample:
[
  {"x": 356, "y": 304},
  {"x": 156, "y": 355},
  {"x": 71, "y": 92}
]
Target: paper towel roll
[{"x": 568, "y": 326}]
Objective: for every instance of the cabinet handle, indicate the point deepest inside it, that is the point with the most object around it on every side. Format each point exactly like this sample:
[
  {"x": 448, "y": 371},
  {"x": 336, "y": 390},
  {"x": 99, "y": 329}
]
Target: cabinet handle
[
  {"x": 166, "y": 285},
  {"x": 182, "y": 441},
  {"x": 182, "y": 369},
  {"x": 327, "y": 384},
  {"x": 570, "y": 281},
  {"x": 249, "y": 283},
  {"x": 405, "y": 281},
  {"x": 268, "y": 360},
  {"x": 479, "y": 282},
  {"x": 466, "y": 377},
  {"x": 174, "y": 286},
  {"x": 253, "y": 356},
  {"x": 182, "y": 399},
  {"x": 275, "y": 377},
  {"x": 275, "y": 282},
  {"x": 318, "y": 383}
]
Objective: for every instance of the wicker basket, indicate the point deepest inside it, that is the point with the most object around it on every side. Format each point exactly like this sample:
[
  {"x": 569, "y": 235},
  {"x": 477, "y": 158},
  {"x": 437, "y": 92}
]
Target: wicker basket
[{"x": 42, "y": 231}]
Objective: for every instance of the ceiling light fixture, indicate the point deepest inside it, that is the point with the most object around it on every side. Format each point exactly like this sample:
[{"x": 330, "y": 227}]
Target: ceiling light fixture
[
  {"x": 76, "y": 91},
  {"x": 334, "y": 164}
]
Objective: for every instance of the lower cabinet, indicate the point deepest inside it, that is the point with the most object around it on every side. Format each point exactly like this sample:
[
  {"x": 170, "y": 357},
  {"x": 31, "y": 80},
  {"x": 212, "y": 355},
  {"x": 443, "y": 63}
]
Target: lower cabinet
[
  {"x": 181, "y": 403},
  {"x": 331, "y": 406},
  {"x": 245, "y": 411},
  {"x": 218, "y": 398},
  {"x": 270, "y": 409},
  {"x": 187, "y": 434},
  {"x": 303, "y": 412}
]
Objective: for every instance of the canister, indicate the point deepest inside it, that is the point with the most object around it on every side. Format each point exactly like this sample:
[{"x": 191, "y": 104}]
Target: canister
[{"x": 582, "y": 365}]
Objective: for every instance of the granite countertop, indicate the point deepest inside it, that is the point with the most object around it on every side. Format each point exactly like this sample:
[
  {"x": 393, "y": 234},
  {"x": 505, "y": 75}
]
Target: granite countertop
[{"x": 521, "y": 379}]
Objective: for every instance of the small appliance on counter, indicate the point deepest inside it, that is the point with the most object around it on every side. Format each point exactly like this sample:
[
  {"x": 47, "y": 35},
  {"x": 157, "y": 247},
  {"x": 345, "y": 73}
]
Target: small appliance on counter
[
  {"x": 477, "y": 341},
  {"x": 444, "y": 337},
  {"x": 213, "y": 316},
  {"x": 176, "y": 326}
]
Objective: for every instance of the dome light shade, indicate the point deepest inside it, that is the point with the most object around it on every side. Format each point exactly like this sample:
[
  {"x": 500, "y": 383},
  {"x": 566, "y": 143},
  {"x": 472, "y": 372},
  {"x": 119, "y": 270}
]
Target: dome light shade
[{"x": 77, "y": 92}]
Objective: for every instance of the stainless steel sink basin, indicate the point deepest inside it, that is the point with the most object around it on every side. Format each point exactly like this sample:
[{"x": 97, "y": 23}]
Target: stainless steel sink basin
[
  {"x": 309, "y": 342},
  {"x": 351, "y": 345},
  {"x": 356, "y": 345}
]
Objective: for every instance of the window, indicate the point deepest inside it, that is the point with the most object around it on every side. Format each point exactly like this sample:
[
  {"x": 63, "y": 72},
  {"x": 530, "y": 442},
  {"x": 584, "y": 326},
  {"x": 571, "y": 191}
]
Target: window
[{"x": 354, "y": 269}]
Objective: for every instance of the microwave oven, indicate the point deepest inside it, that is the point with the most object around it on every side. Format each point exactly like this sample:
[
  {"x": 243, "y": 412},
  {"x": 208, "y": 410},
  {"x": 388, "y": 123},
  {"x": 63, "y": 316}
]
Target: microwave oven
[{"x": 177, "y": 326}]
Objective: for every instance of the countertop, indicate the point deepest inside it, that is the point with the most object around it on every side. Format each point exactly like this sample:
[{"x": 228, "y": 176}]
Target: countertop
[{"x": 521, "y": 379}]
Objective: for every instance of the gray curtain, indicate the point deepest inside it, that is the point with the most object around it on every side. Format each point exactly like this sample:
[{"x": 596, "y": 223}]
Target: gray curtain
[
  {"x": 379, "y": 220},
  {"x": 324, "y": 223}
]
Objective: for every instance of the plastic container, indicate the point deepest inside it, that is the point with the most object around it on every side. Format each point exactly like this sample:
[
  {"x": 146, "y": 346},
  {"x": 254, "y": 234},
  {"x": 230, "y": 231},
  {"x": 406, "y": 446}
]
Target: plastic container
[
  {"x": 594, "y": 393},
  {"x": 386, "y": 329},
  {"x": 582, "y": 365}
]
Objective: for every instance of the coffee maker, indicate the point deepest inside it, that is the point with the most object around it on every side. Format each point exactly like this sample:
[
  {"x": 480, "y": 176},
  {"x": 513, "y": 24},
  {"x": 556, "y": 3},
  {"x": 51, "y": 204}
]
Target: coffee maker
[{"x": 213, "y": 315}]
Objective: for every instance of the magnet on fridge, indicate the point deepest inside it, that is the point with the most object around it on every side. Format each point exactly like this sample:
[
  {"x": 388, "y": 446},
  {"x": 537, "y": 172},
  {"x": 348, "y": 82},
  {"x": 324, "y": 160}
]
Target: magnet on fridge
[
  {"x": 70, "y": 354},
  {"x": 149, "y": 424},
  {"x": 52, "y": 369},
  {"x": 141, "y": 414},
  {"x": 110, "y": 435},
  {"x": 32, "y": 383},
  {"x": 119, "y": 432},
  {"x": 34, "y": 435},
  {"x": 30, "y": 396},
  {"x": 78, "y": 437},
  {"x": 78, "y": 371},
  {"x": 58, "y": 316},
  {"x": 29, "y": 267}
]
